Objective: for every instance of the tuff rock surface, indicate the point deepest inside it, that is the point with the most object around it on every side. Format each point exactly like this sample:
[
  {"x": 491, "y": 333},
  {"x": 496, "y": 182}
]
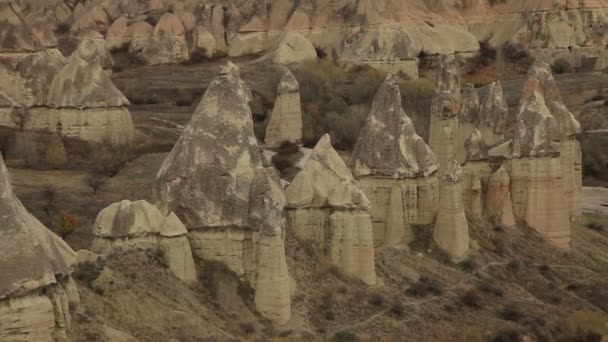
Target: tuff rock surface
[
  {"x": 538, "y": 180},
  {"x": 36, "y": 288},
  {"x": 285, "y": 123},
  {"x": 493, "y": 115},
  {"x": 327, "y": 207},
  {"x": 129, "y": 225},
  {"x": 499, "y": 207},
  {"x": 451, "y": 231},
  {"x": 445, "y": 107},
  {"x": 395, "y": 168},
  {"x": 214, "y": 181}
]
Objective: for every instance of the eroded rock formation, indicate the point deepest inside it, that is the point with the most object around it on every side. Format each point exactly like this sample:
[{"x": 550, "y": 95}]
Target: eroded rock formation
[
  {"x": 85, "y": 102},
  {"x": 499, "y": 207},
  {"x": 36, "y": 288},
  {"x": 328, "y": 208},
  {"x": 493, "y": 115},
  {"x": 285, "y": 123},
  {"x": 445, "y": 107},
  {"x": 395, "y": 168},
  {"x": 537, "y": 178},
  {"x": 167, "y": 43},
  {"x": 129, "y": 225},
  {"x": 451, "y": 231},
  {"x": 214, "y": 181}
]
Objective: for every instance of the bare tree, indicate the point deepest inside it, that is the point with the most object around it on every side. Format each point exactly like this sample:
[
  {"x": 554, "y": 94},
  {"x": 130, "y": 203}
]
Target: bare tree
[{"x": 96, "y": 182}]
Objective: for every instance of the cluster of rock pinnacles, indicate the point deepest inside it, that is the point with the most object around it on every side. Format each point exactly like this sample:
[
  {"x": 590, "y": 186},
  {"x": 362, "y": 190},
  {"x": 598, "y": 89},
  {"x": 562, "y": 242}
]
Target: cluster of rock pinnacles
[{"x": 216, "y": 201}]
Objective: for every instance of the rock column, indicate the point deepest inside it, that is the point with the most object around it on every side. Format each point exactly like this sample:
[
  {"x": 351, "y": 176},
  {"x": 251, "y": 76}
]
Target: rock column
[{"x": 285, "y": 124}]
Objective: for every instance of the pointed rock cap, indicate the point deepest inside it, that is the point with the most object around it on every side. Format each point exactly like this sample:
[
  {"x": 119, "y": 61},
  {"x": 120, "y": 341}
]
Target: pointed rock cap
[
  {"x": 288, "y": 84},
  {"x": 267, "y": 202},
  {"x": 538, "y": 133},
  {"x": 322, "y": 174},
  {"x": 294, "y": 48},
  {"x": 447, "y": 100},
  {"x": 103, "y": 54},
  {"x": 494, "y": 109},
  {"x": 469, "y": 110},
  {"x": 14, "y": 35},
  {"x": 504, "y": 150},
  {"x": 453, "y": 174},
  {"x": 83, "y": 83},
  {"x": 388, "y": 145},
  {"x": 127, "y": 219},
  {"x": 476, "y": 147},
  {"x": 540, "y": 80},
  {"x": 232, "y": 70},
  {"x": 206, "y": 179},
  {"x": 348, "y": 195},
  {"x": 32, "y": 256}
]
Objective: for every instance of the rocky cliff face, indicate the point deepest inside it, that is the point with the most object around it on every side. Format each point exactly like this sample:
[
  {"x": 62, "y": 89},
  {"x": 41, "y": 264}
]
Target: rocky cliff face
[
  {"x": 327, "y": 207},
  {"x": 387, "y": 34},
  {"x": 36, "y": 289},
  {"x": 214, "y": 181}
]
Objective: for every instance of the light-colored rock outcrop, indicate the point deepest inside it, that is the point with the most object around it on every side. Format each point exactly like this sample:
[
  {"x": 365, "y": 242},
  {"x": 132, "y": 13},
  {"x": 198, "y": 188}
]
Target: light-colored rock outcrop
[
  {"x": 285, "y": 123},
  {"x": 140, "y": 225},
  {"x": 327, "y": 207},
  {"x": 294, "y": 48},
  {"x": 493, "y": 115},
  {"x": 214, "y": 181},
  {"x": 468, "y": 120},
  {"x": 36, "y": 289},
  {"x": 167, "y": 45},
  {"x": 395, "y": 168},
  {"x": 85, "y": 102},
  {"x": 451, "y": 231},
  {"x": 499, "y": 207},
  {"x": 445, "y": 108},
  {"x": 537, "y": 178}
]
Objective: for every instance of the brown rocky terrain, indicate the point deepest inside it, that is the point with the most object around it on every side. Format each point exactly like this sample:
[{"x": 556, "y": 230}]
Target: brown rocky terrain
[{"x": 311, "y": 170}]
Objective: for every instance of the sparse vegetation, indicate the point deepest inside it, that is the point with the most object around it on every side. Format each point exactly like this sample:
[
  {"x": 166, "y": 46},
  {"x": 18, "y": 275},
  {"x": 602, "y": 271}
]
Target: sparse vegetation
[
  {"x": 66, "y": 223},
  {"x": 343, "y": 336},
  {"x": 511, "y": 313},
  {"x": 561, "y": 66},
  {"x": 471, "y": 299},
  {"x": 87, "y": 272},
  {"x": 377, "y": 299},
  {"x": 96, "y": 182},
  {"x": 425, "y": 287}
]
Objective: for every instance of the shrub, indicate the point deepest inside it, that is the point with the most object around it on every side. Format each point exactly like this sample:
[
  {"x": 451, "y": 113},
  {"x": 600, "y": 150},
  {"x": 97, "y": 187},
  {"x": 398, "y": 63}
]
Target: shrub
[
  {"x": 95, "y": 182},
  {"x": 282, "y": 162},
  {"x": 49, "y": 196},
  {"x": 376, "y": 299},
  {"x": 87, "y": 272},
  {"x": 425, "y": 287},
  {"x": 343, "y": 336},
  {"x": 511, "y": 313},
  {"x": 471, "y": 299},
  {"x": 66, "y": 224},
  {"x": 507, "y": 336},
  {"x": 561, "y": 66},
  {"x": 288, "y": 148},
  {"x": 158, "y": 257},
  {"x": 397, "y": 308},
  {"x": 487, "y": 287},
  {"x": 468, "y": 265},
  {"x": 247, "y": 327},
  {"x": 112, "y": 158}
]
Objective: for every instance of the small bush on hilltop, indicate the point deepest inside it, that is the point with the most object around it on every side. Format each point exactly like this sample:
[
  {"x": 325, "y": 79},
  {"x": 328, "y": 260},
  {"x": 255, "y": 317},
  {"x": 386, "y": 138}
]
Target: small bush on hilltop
[{"x": 561, "y": 66}]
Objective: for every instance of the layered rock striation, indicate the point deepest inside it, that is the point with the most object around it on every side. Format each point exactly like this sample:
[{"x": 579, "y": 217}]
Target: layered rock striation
[
  {"x": 395, "y": 168},
  {"x": 214, "y": 181},
  {"x": 285, "y": 124},
  {"x": 493, "y": 115},
  {"x": 36, "y": 288},
  {"x": 326, "y": 206},
  {"x": 140, "y": 225}
]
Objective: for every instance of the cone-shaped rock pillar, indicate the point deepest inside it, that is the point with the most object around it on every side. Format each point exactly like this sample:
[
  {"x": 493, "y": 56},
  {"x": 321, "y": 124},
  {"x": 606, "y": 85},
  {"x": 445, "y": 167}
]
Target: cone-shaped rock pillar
[
  {"x": 214, "y": 181},
  {"x": 451, "y": 231},
  {"x": 445, "y": 109},
  {"x": 493, "y": 115},
  {"x": 285, "y": 123},
  {"x": 327, "y": 207},
  {"x": 395, "y": 168},
  {"x": 36, "y": 288}
]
